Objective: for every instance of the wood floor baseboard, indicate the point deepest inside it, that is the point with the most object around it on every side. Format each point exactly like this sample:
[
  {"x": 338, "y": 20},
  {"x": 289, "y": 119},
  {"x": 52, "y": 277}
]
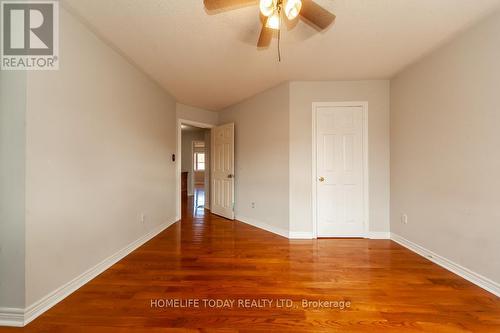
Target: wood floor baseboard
[
  {"x": 479, "y": 280},
  {"x": 379, "y": 235},
  {"x": 22, "y": 317},
  {"x": 263, "y": 226},
  {"x": 300, "y": 235},
  {"x": 12, "y": 317}
]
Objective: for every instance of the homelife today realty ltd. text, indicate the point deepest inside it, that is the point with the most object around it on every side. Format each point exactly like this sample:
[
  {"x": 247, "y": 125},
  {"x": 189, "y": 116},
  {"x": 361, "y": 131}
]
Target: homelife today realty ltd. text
[{"x": 247, "y": 303}]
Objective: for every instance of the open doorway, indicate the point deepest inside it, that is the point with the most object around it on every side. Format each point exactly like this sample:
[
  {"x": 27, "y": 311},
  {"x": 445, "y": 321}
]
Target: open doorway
[
  {"x": 200, "y": 172},
  {"x": 194, "y": 168},
  {"x": 216, "y": 192}
]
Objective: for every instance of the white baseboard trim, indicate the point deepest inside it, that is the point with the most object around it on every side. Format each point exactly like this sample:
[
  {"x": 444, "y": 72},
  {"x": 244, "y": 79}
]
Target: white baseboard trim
[
  {"x": 370, "y": 235},
  {"x": 23, "y": 318},
  {"x": 477, "y": 279},
  {"x": 300, "y": 235},
  {"x": 12, "y": 317},
  {"x": 379, "y": 235},
  {"x": 264, "y": 226}
]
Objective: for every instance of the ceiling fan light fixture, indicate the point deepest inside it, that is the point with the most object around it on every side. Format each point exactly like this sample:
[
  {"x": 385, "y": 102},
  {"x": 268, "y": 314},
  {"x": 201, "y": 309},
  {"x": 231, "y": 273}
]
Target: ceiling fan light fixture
[
  {"x": 267, "y": 7},
  {"x": 273, "y": 21},
  {"x": 292, "y": 8}
]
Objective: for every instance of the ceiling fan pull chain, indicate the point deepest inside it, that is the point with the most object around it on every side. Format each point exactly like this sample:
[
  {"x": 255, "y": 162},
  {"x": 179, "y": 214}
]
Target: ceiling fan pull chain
[
  {"x": 279, "y": 46},
  {"x": 279, "y": 37}
]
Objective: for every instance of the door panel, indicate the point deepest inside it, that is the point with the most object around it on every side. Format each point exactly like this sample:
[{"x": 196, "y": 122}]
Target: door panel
[
  {"x": 339, "y": 171},
  {"x": 223, "y": 171}
]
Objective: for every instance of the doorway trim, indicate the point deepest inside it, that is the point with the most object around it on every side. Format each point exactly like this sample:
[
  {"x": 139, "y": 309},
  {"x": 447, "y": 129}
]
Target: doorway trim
[
  {"x": 178, "y": 159},
  {"x": 366, "y": 182}
]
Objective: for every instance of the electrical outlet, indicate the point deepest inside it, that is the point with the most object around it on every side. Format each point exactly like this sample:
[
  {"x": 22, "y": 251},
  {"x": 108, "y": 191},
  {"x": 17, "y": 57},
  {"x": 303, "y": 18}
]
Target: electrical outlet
[
  {"x": 143, "y": 218},
  {"x": 253, "y": 204},
  {"x": 404, "y": 219}
]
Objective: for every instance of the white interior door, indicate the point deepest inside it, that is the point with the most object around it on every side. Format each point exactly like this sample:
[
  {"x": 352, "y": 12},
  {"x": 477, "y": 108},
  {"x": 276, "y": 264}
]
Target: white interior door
[
  {"x": 339, "y": 171},
  {"x": 223, "y": 171}
]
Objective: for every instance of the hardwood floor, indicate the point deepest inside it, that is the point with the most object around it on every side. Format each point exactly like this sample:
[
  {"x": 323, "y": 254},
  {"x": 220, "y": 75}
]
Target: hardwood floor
[{"x": 390, "y": 289}]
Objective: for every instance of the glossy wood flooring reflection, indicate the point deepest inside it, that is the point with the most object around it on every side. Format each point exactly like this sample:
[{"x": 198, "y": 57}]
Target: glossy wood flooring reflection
[{"x": 206, "y": 257}]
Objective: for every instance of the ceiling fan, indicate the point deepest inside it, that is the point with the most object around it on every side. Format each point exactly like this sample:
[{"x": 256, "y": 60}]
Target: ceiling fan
[{"x": 274, "y": 11}]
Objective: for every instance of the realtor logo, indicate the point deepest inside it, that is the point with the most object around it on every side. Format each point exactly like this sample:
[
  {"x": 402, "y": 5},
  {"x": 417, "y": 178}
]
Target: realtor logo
[{"x": 30, "y": 35}]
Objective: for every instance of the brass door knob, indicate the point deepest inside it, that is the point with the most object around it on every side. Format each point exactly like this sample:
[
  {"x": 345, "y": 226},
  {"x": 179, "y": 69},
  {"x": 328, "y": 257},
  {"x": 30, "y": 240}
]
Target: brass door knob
[{"x": 321, "y": 179}]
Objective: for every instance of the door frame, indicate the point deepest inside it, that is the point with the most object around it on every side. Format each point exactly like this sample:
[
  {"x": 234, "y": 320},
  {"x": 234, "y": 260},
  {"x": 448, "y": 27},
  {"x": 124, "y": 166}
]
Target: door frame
[
  {"x": 178, "y": 159},
  {"x": 366, "y": 196}
]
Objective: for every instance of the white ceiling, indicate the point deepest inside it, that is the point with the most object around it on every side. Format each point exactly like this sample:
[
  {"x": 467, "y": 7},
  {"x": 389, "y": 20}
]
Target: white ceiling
[{"x": 211, "y": 61}]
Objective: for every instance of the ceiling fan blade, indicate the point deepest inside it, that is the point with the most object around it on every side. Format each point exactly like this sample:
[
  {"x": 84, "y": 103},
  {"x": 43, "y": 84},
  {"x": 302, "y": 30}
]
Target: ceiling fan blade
[
  {"x": 319, "y": 17},
  {"x": 227, "y": 4},
  {"x": 266, "y": 35}
]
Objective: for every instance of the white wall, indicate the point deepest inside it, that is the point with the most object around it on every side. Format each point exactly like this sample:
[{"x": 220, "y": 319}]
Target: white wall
[
  {"x": 261, "y": 157},
  {"x": 274, "y": 150},
  {"x": 445, "y": 150},
  {"x": 192, "y": 113},
  {"x": 302, "y": 95},
  {"x": 100, "y": 135},
  {"x": 12, "y": 167}
]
